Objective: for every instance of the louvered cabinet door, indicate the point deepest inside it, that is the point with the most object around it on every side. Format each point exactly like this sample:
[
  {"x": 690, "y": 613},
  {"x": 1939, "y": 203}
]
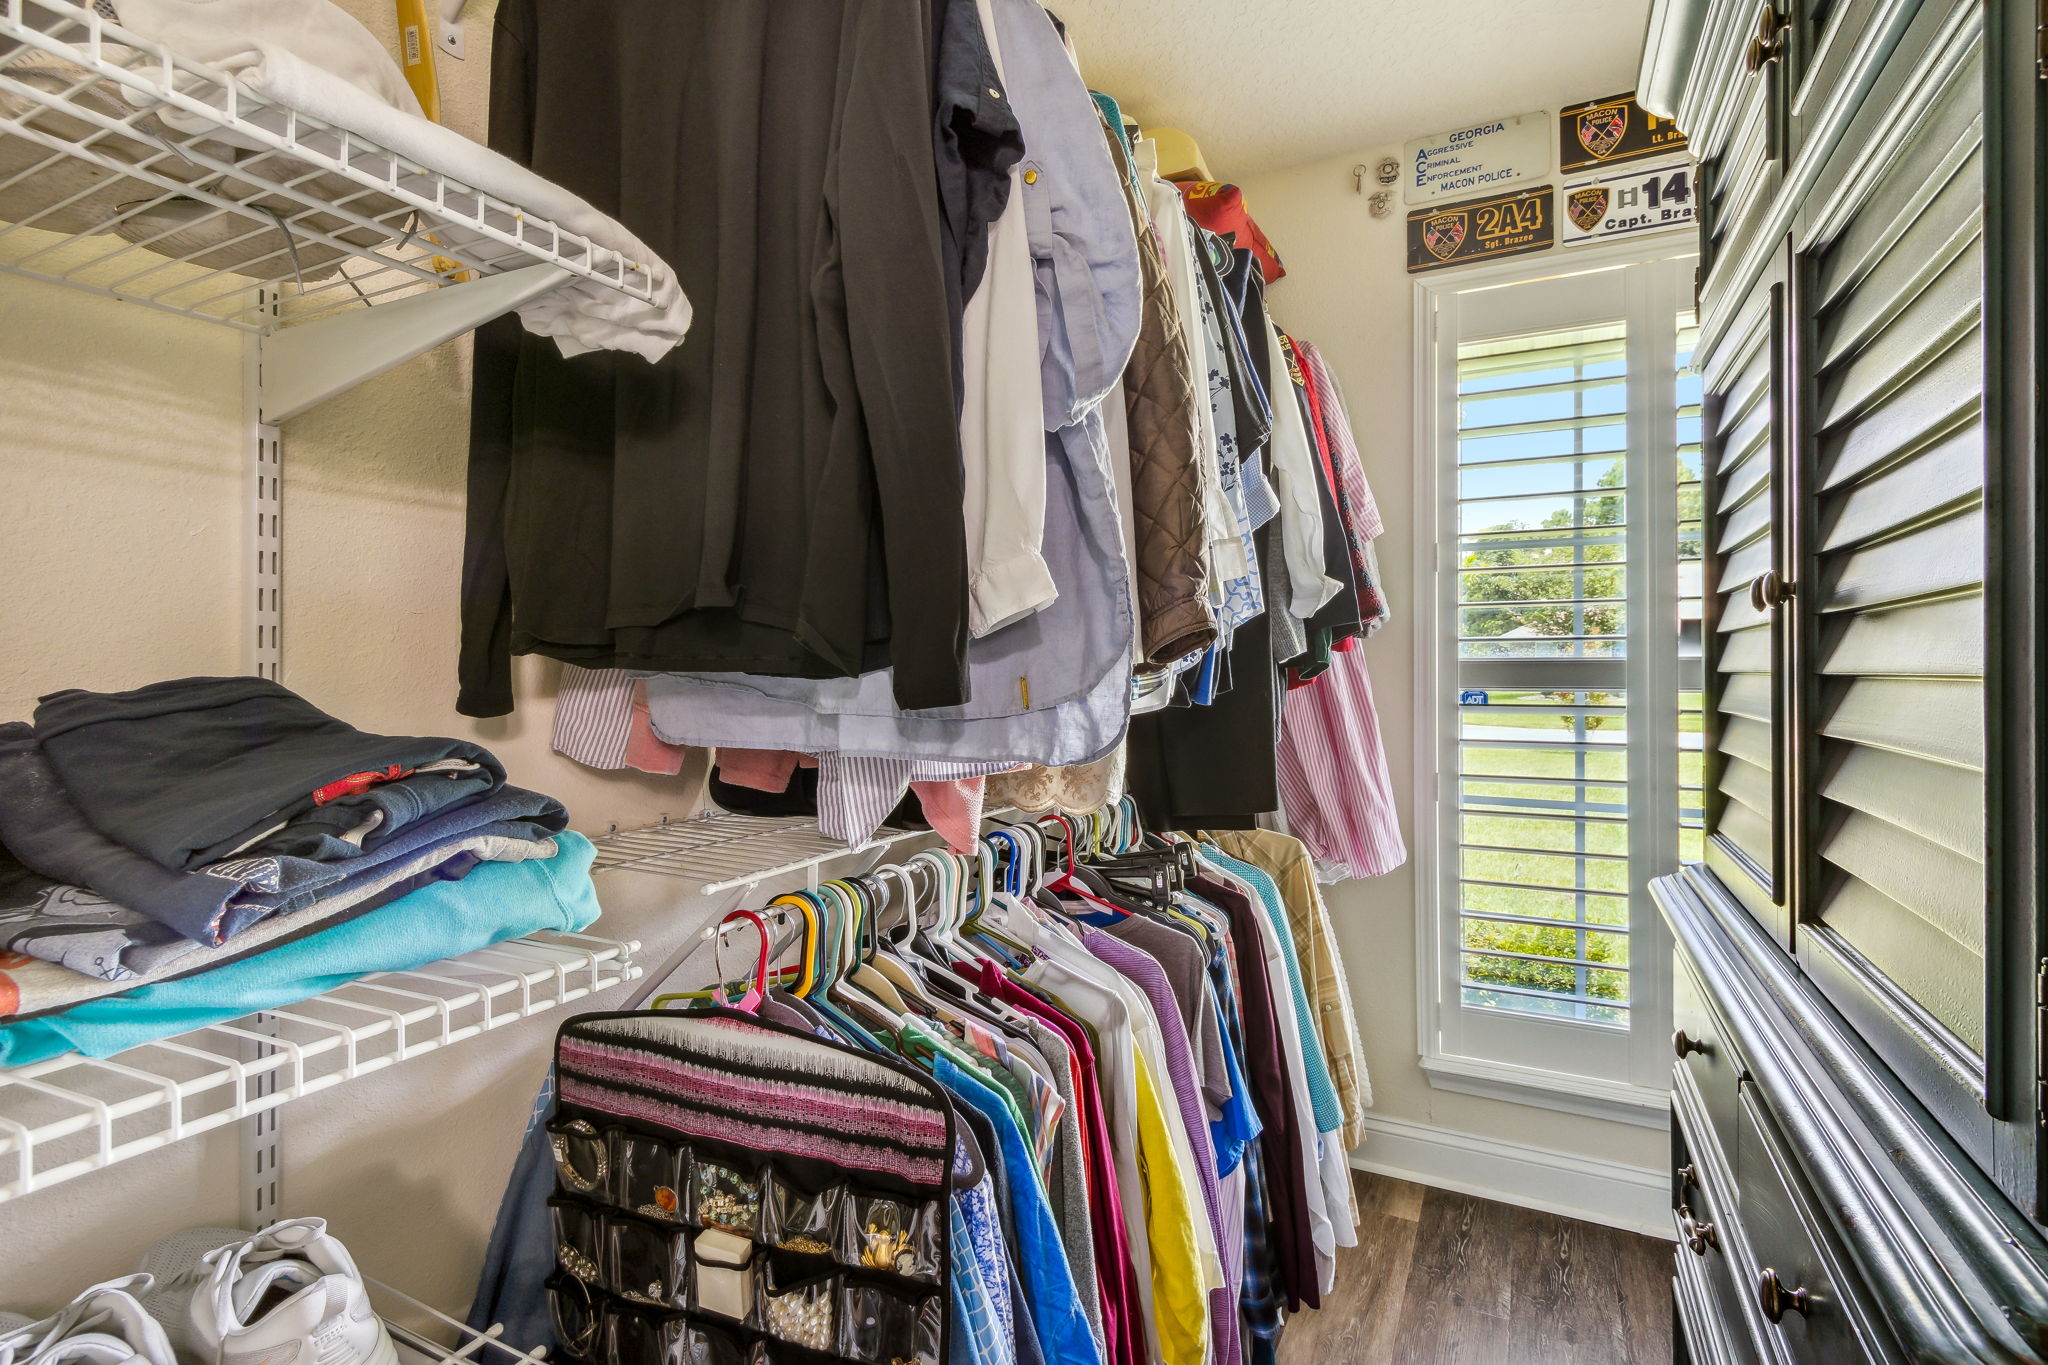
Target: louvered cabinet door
[
  {"x": 1892, "y": 622},
  {"x": 1737, "y": 135},
  {"x": 1742, "y": 412}
]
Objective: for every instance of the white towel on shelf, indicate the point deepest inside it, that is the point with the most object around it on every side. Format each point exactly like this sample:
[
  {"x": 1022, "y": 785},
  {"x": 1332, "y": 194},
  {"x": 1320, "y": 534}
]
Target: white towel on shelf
[
  {"x": 225, "y": 33},
  {"x": 345, "y": 89}
]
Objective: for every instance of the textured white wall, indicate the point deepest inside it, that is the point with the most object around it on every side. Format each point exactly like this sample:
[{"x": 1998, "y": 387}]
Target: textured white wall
[
  {"x": 1273, "y": 85},
  {"x": 120, "y": 525},
  {"x": 1347, "y": 291}
]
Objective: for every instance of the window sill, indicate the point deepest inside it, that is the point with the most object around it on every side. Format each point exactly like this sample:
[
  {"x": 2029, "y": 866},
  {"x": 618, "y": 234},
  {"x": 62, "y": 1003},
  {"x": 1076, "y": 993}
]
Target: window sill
[{"x": 1644, "y": 1106}]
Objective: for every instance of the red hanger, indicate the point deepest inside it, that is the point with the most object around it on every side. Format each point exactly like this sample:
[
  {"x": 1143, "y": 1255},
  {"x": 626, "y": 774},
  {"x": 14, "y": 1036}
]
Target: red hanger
[{"x": 1066, "y": 883}]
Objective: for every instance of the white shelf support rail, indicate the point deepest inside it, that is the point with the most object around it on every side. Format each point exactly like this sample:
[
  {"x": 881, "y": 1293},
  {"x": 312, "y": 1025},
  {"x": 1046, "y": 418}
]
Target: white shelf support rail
[
  {"x": 263, "y": 521},
  {"x": 261, "y": 1135},
  {"x": 72, "y": 1114}
]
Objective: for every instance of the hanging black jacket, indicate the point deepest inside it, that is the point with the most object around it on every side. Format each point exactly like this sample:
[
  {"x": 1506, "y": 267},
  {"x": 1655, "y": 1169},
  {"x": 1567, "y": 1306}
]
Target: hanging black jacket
[{"x": 782, "y": 493}]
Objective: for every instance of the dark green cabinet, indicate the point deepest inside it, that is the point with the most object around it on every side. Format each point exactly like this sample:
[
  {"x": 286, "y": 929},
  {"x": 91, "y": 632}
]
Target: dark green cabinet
[{"x": 1866, "y": 916}]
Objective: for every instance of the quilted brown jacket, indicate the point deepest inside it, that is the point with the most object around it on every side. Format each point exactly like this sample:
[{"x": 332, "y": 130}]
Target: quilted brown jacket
[{"x": 1174, "y": 616}]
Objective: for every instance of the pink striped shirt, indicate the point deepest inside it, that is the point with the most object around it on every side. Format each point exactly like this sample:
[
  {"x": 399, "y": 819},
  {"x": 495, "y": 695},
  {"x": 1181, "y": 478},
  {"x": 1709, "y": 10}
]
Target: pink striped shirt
[{"x": 1334, "y": 783}]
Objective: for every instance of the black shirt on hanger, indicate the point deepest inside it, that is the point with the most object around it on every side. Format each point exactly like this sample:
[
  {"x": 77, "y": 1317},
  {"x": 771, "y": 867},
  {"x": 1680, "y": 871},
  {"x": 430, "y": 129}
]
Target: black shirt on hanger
[{"x": 781, "y": 494}]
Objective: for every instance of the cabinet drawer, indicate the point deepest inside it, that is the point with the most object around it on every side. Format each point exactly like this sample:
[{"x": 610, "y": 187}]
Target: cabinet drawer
[
  {"x": 1793, "y": 1282},
  {"x": 1706, "y": 1255},
  {"x": 1705, "y": 1049},
  {"x": 1705, "y": 1332}
]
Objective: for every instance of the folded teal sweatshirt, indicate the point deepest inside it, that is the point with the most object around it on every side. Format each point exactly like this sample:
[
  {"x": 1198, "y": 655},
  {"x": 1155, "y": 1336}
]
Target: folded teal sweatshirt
[{"x": 495, "y": 902}]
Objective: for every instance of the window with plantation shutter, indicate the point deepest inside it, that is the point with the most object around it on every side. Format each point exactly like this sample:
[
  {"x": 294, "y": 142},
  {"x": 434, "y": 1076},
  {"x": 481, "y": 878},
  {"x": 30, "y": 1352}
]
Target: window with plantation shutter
[
  {"x": 1542, "y": 511},
  {"x": 1564, "y": 687}
]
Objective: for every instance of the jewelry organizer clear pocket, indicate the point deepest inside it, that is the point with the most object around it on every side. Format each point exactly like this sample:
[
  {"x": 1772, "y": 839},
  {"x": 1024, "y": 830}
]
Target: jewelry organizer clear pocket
[
  {"x": 649, "y": 1175},
  {"x": 582, "y": 1161},
  {"x": 794, "y": 1219},
  {"x": 578, "y": 1239},
  {"x": 882, "y": 1326},
  {"x": 723, "y": 1269},
  {"x": 577, "y": 1316},
  {"x": 725, "y": 1197},
  {"x": 632, "y": 1338},
  {"x": 892, "y": 1235},
  {"x": 645, "y": 1262},
  {"x": 802, "y": 1312}
]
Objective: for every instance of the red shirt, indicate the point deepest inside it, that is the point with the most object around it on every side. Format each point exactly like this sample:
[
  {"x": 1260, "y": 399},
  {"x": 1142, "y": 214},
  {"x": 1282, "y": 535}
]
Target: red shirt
[{"x": 1220, "y": 208}]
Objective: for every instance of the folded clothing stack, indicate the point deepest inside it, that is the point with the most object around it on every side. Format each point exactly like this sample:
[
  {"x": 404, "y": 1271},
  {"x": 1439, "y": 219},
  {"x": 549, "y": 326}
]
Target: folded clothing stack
[{"x": 152, "y": 835}]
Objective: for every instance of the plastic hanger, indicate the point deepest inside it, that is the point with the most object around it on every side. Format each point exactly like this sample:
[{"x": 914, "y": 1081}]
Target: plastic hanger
[
  {"x": 865, "y": 974},
  {"x": 1066, "y": 884},
  {"x": 749, "y": 1002}
]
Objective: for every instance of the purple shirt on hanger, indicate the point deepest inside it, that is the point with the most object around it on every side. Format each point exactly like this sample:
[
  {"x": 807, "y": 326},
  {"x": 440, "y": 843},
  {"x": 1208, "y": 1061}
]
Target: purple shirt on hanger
[{"x": 1144, "y": 972}]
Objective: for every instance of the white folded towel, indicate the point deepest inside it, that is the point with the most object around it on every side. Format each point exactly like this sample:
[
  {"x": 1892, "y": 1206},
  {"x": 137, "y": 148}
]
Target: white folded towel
[
  {"x": 311, "y": 57},
  {"x": 220, "y": 33}
]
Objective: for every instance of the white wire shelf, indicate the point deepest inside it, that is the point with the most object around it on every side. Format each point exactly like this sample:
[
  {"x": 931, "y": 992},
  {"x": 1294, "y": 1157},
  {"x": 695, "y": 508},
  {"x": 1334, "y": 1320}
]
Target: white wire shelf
[
  {"x": 68, "y": 1115},
  {"x": 98, "y": 191},
  {"x": 424, "y": 1335},
  {"x": 719, "y": 851}
]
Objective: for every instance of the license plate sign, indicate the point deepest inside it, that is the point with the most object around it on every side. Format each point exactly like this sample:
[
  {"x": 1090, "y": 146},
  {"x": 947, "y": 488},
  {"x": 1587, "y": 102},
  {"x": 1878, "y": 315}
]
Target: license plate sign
[
  {"x": 1481, "y": 229},
  {"x": 1625, "y": 203}
]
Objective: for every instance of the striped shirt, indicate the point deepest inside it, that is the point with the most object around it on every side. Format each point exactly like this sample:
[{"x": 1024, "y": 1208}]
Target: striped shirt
[
  {"x": 594, "y": 715},
  {"x": 1332, "y": 769}
]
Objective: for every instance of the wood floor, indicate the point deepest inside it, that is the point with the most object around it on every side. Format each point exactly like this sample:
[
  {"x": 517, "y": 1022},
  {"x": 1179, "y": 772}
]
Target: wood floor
[{"x": 1441, "y": 1277}]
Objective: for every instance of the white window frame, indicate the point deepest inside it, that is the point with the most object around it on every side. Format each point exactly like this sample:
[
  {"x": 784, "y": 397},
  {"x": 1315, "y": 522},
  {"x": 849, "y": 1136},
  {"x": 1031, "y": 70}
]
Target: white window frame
[{"x": 1598, "y": 1071}]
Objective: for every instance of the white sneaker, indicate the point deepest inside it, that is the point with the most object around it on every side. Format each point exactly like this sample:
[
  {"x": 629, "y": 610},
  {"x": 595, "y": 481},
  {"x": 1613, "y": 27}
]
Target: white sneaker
[
  {"x": 106, "y": 1325},
  {"x": 289, "y": 1295}
]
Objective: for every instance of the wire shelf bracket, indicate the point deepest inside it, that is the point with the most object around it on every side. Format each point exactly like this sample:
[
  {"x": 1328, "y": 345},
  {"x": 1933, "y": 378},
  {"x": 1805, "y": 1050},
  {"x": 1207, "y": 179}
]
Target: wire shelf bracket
[
  {"x": 424, "y": 1335},
  {"x": 304, "y": 366}
]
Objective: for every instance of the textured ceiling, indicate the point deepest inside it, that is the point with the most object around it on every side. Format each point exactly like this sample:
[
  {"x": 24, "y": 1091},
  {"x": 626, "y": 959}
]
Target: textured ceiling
[{"x": 1264, "y": 84}]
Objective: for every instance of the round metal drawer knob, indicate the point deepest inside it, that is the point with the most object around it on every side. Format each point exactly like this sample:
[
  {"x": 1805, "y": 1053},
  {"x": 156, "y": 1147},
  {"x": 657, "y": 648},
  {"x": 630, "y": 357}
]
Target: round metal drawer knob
[
  {"x": 1685, "y": 1046},
  {"x": 1698, "y": 1236},
  {"x": 1777, "y": 1301}
]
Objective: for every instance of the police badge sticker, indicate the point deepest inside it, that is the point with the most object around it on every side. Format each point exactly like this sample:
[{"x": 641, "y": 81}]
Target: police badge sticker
[
  {"x": 1601, "y": 130},
  {"x": 1611, "y": 131},
  {"x": 1443, "y": 234},
  {"x": 1508, "y": 224}
]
